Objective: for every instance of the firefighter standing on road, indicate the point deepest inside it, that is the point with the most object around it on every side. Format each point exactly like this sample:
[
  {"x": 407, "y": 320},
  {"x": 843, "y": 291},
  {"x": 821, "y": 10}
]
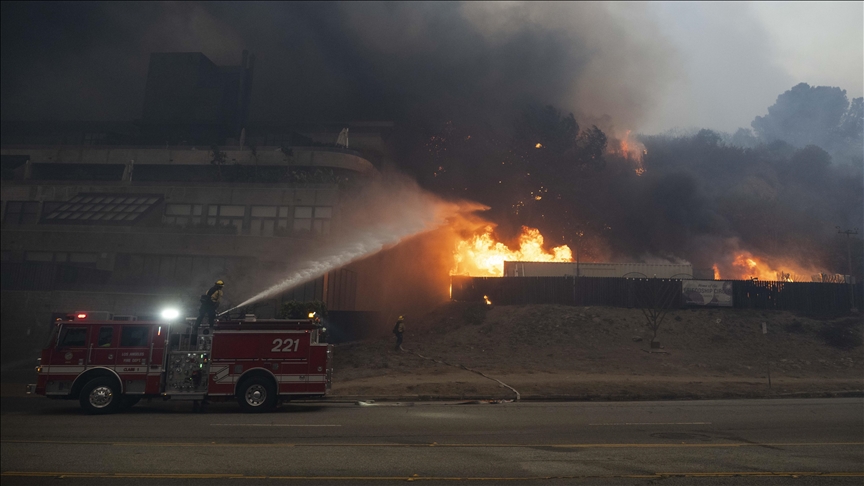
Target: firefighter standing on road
[
  {"x": 209, "y": 303},
  {"x": 399, "y": 330}
]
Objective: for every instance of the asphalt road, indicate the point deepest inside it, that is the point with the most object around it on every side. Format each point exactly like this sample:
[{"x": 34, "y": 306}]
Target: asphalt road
[{"x": 815, "y": 441}]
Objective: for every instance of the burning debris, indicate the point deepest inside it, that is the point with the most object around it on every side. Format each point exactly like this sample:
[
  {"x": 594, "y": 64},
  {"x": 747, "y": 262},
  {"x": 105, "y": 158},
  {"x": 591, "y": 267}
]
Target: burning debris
[
  {"x": 746, "y": 266},
  {"x": 483, "y": 256}
]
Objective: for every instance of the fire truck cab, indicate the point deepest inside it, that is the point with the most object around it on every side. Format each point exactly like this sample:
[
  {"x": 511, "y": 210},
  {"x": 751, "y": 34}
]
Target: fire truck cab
[{"x": 109, "y": 365}]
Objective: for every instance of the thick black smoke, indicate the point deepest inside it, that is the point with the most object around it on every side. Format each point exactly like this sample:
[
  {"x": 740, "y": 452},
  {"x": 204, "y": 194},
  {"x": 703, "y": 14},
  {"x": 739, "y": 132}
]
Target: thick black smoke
[
  {"x": 413, "y": 63},
  {"x": 691, "y": 198}
]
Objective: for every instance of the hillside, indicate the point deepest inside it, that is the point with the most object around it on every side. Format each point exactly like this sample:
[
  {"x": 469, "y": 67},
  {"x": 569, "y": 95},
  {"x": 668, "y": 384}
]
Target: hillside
[{"x": 598, "y": 352}]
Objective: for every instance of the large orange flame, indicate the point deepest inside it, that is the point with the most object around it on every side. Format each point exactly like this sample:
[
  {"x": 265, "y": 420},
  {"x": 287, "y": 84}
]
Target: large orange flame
[
  {"x": 746, "y": 266},
  {"x": 483, "y": 256}
]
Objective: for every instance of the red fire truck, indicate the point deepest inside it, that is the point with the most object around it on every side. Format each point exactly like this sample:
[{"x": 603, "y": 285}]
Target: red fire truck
[{"x": 109, "y": 365}]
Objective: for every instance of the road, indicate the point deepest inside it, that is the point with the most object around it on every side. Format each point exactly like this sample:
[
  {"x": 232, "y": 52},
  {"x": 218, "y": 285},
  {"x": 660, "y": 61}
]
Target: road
[{"x": 817, "y": 441}]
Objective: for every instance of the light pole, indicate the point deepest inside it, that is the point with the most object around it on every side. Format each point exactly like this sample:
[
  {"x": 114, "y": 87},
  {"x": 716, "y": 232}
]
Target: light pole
[{"x": 849, "y": 234}]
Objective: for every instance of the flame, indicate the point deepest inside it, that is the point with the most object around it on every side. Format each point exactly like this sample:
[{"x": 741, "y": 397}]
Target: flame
[
  {"x": 716, "y": 272},
  {"x": 486, "y": 299},
  {"x": 539, "y": 145},
  {"x": 746, "y": 266},
  {"x": 483, "y": 256},
  {"x": 631, "y": 149}
]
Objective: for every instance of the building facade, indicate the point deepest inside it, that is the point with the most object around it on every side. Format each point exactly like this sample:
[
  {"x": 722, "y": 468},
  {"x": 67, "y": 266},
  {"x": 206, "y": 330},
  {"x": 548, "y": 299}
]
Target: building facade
[{"x": 109, "y": 217}]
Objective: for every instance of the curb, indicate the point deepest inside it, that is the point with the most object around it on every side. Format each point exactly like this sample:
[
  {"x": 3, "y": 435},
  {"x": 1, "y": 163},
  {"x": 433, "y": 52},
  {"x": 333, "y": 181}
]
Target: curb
[{"x": 588, "y": 398}]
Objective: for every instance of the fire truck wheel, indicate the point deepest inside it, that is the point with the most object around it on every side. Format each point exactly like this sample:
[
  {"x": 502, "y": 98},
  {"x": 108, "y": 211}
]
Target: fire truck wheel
[
  {"x": 100, "y": 396},
  {"x": 256, "y": 394}
]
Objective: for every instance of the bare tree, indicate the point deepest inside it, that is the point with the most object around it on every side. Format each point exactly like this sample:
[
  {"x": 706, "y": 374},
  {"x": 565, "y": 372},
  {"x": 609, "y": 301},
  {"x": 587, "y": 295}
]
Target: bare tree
[{"x": 655, "y": 297}]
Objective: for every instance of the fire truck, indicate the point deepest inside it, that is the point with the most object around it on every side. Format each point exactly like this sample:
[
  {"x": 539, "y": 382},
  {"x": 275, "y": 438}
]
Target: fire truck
[{"x": 109, "y": 365}]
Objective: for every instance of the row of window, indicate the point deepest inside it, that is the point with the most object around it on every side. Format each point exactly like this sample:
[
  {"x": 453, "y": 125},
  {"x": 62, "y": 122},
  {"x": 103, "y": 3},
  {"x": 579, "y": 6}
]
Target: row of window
[
  {"x": 166, "y": 269},
  {"x": 263, "y": 220},
  {"x": 79, "y": 259}
]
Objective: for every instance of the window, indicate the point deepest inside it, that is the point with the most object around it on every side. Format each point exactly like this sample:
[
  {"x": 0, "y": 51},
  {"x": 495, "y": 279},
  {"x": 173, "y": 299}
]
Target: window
[
  {"x": 95, "y": 208},
  {"x": 223, "y": 215},
  {"x": 21, "y": 212},
  {"x": 106, "y": 335},
  {"x": 182, "y": 214},
  {"x": 79, "y": 259},
  {"x": 315, "y": 219},
  {"x": 94, "y": 138},
  {"x": 39, "y": 256},
  {"x": 73, "y": 337},
  {"x": 134, "y": 336},
  {"x": 170, "y": 270},
  {"x": 266, "y": 219}
]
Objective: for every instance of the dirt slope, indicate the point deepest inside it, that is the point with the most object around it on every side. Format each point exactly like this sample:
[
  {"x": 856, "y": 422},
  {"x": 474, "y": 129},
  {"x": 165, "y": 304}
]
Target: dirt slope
[{"x": 599, "y": 352}]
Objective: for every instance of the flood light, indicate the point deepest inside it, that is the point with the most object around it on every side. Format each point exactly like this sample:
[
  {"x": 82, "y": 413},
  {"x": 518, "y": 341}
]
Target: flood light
[{"x": 169, "y": 314}]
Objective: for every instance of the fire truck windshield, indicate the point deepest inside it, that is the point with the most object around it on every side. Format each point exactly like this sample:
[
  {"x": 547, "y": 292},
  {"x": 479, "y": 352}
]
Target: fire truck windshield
[{"x": 53, "y": 337}]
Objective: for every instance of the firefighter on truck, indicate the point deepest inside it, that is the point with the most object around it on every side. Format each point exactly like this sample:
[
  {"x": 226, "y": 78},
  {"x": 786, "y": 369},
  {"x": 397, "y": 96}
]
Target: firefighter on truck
[{"x": 109, "y": 365}]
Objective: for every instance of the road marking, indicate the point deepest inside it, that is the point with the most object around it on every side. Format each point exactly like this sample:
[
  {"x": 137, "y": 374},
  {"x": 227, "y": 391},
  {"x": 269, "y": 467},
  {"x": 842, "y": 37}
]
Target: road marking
[
  {"x": 274, "y": 425},
  {"x": 658, "y": 423},
  {"x": 659, "y": 475},
  {"x": 682, "y": 445}
]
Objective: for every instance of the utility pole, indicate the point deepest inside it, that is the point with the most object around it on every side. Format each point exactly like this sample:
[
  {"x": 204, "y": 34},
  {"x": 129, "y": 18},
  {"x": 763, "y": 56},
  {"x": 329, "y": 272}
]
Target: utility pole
[{"x": 849, "y": 234}]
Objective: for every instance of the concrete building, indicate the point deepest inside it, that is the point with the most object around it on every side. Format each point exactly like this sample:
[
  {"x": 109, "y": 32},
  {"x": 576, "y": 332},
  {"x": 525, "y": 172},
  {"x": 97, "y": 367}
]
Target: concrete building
[
  {"x": 190, "y": 100},
  {"x": 97, "y": 217}
]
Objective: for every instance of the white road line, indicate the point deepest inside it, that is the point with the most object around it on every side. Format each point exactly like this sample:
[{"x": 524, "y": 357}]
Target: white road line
[
  {"x": 658, "y": 423},
  {"x": 275, "y": 425}
]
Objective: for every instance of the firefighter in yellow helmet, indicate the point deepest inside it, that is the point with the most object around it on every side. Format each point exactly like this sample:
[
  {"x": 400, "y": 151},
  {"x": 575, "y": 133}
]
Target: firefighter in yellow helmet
[
  {"x": 209, "y": 303},
  {"x": 399, "y": 330}
]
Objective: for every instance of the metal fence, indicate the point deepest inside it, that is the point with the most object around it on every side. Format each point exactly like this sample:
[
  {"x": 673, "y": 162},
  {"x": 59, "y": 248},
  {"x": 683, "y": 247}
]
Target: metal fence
[{"x": 807, "y": 297}]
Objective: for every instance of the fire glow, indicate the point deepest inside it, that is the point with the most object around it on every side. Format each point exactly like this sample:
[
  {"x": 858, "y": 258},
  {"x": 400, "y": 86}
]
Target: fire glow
[
  {"x": 483, "y": 256},
  {"x": 746, "y": 266},
  {"x": 631, "y": 149}
]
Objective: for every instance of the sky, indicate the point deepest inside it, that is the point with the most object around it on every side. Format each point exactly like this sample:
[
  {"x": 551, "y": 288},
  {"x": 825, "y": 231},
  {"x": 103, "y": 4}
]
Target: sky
[
  {"x": 736, "y": 58},
  {"x": 650, "y": 67}
]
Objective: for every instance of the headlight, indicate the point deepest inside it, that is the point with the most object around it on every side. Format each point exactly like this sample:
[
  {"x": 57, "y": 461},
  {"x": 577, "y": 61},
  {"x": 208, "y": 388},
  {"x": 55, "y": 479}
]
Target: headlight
[{"x": 170, "y": 314}]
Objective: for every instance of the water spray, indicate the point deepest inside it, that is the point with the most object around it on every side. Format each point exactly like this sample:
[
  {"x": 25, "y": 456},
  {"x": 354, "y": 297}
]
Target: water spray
[{"x": 409, "y": 212}]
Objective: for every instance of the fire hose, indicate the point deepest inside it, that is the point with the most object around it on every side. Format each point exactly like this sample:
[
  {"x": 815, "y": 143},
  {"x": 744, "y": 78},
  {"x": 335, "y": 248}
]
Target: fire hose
[{"x": 484, "y": 375}]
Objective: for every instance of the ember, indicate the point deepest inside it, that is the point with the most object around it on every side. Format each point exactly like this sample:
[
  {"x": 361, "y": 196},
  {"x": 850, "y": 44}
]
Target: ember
[{"x": 483, "y": 256}]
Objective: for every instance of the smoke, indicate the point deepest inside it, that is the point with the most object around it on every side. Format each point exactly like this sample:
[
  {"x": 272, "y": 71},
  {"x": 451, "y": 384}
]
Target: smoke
[
  {"x": 414, "y": 63},
  {"x": 381, "y": 214}
]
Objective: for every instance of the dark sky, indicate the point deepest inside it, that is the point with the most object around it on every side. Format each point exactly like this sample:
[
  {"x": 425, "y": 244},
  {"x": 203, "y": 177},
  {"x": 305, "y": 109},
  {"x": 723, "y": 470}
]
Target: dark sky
[{"x": 329, "y": 61}]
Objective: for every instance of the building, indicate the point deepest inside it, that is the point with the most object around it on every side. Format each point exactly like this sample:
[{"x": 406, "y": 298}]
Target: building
[
  {"x": 190, "y": 100},
  {"x": 99, "y": 217}
]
